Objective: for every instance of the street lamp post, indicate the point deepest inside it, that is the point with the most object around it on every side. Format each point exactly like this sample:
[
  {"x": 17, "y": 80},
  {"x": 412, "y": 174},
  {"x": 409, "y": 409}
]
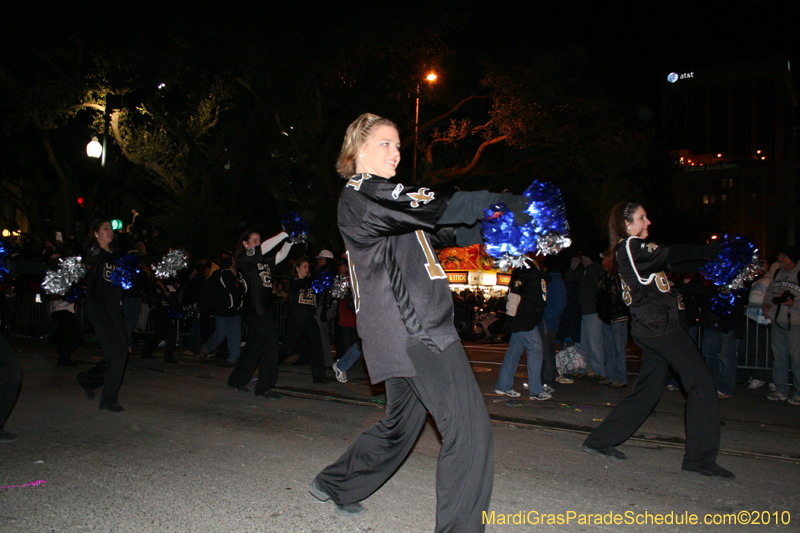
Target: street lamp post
[{"x": 431, "y": 78}]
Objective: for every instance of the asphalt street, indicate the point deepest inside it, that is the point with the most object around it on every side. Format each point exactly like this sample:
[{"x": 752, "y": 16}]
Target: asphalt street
[{"x": 191, "y": 455}]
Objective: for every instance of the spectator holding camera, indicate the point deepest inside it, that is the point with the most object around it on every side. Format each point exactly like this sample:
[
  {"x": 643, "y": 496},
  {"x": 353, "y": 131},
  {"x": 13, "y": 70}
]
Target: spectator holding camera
[{"x": 782, "y": 306}]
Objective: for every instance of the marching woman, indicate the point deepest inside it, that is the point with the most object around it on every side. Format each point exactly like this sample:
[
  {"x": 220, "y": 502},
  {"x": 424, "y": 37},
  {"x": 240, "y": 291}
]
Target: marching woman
[
  {"x": 301, "y": 321},
  {"x": 665, "y": 345},
  {"x": 104, "y": 311},
  {"x": 405, "y": 321},
  {"x": 255, "y": 261}
]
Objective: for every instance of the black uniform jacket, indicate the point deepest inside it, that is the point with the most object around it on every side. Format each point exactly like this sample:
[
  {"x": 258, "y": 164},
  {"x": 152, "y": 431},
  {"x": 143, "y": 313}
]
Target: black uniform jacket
[
  {"x": 531, "y": 285},
  {"x": 645, "y": 288},
  {"x": 255, "y": 270},
  {"x": 100, "y": 289},
  {"x": 401, "y": 291}
]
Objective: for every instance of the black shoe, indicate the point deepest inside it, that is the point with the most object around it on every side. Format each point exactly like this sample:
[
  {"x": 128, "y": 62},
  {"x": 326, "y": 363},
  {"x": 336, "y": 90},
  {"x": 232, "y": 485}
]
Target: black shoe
[
  {"x": 607, "y": 451},
  {"x": 111, "y": 407},
  {"x": 348, "y": 510},
  {"x": 321, "y": 381},
  {"x": 68, "y": 362},
  {"x": 171, "y": 360},
  {"x": 5, "y": 436},
  {"x": 317, "y": 492},
  {"x": 240, "y": 388},
  {"x": 89, "y": 393},
  {"x": 270, "y": 395},
  {"x": 712, "y": 471}
]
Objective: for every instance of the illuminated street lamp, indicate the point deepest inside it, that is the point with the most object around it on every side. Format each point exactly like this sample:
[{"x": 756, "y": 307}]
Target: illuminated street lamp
[
  {"x": 431, "y": 78},
  {"x": 94, "y": 148}
]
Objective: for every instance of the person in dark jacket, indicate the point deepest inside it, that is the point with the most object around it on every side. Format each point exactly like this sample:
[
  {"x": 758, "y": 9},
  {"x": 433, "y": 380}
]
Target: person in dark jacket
[
  {"x": 224, "y": 293},
  {"x": 655, "y": 327},
  {"x": 615, "y": 316},
  {"x": 556, "y": 303},
  {"x": 405, "y": 322},
  {"x": 527, "y": 299},
  {"x": 165, "y": 298},
  {"x": 586, "y": 271},
  {"x": 255, "y": 263},
  {"x": 301, "y": 322},
  {"x": 104, "y": 311}
]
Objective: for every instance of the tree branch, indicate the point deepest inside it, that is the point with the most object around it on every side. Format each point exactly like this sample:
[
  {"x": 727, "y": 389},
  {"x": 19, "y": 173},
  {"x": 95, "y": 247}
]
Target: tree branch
[
  {"x": 454, "y": 171},
  {"x": 150, "y": 165}
]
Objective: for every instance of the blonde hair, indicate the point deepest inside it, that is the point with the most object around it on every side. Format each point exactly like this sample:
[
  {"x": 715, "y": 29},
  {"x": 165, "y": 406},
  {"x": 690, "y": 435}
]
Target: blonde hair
[{"x": 357, "y": 135}]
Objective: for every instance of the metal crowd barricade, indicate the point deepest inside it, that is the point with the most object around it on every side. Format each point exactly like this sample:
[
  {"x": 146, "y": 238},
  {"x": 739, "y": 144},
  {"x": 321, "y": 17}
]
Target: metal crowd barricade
[{"x": 756, "y": 352}]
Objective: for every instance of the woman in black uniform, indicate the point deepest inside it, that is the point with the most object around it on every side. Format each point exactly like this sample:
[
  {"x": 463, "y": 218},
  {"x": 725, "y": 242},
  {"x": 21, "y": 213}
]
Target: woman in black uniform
[
  {"x": 301, "y": 321},
  {"x": 656, "y": 329},
  {"x": 104, "y": 311}
]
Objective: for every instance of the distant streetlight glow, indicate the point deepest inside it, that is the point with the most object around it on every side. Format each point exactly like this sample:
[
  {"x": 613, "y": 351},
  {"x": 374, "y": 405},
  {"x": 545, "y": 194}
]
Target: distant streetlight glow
[
  {"x": 94, "y": 148},
  {"x": 162, "y": 85},
  {"x": 431, "y": 77}
]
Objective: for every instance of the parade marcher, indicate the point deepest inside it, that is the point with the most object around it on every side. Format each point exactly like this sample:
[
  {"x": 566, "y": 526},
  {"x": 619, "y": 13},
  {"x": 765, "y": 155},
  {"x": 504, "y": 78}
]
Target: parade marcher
[
  {"x": 255, "y": 263},
  {"x": 405, "y": 321},
  {"x": 301, "y": 323},
  {"x": 665, "y": 344},
  {"x": 10, "y": 370},
  {"x": 165, "y": 297},
  {"x": 104, "y": 311}
]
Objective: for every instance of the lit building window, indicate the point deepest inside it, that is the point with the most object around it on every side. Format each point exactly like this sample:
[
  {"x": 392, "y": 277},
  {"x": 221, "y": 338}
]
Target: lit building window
[
  {"x": 730, "y": 182},
  {"x": 713, "y": 198},
  {"x": 724, "y": 182},
  {"x": 705, "y": 198},
  {"x": 724, "y": 197}
]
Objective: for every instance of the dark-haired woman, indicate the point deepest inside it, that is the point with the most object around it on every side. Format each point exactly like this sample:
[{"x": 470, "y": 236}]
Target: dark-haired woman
[
  {"x": 665, "y": 344},
  {"x": 104, "y": 311},
  {"x": 301, "y": 322},
  {"x": 255, "y": 261}
]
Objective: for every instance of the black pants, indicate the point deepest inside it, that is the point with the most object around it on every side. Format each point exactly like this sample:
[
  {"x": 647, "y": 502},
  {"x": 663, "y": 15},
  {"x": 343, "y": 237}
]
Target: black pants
[
  {"x": 678, "y": 351},
  {"x": 305, "y": 326},
  {"x": 261, "y": 350},
  {"x": 549, "y": 371},
  {"x": 445, "y": 386},
  {"x": 68, "y": 336},
  {"x": 165, "y": 330},
  {"x": 10, "y": 380},
  {"x": 109, "y": 325}
]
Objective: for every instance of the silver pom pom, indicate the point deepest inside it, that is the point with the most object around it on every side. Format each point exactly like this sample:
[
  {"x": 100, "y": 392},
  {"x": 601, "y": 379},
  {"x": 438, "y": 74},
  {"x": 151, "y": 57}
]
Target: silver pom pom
[
  {"x": 69, "y": 271},
  {"x": 170, "y": 264},
  {"x": 298, "y": 239},
  {"x": 341, "y": 287},
  {"x": 552, "y": 243},
  {"x": 749, "y": 273},
  {"x": 507, "y": 261}
]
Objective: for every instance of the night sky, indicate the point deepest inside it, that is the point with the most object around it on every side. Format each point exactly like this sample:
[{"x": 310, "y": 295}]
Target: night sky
[
  {"x": 631, "y": 49},
  {"x": 637, "y": 46}
]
